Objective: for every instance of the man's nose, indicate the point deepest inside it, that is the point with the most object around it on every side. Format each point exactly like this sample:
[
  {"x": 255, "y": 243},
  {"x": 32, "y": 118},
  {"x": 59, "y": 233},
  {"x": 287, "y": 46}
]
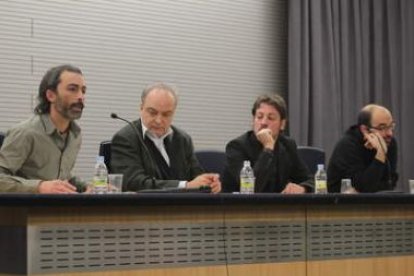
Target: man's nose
[
  {"x": 389, "y": 132},
  {"x": 158, "y": 119},
  {"x": 264, "y": 121},
  {"x": 81, "y": 96}
]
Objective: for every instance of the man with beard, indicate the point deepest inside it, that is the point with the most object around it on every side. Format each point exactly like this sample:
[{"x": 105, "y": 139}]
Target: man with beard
[
  {"x": 38, "y": 155},
  {"x": 367, "y": 154},
  {"x": 274, "y": 157}
]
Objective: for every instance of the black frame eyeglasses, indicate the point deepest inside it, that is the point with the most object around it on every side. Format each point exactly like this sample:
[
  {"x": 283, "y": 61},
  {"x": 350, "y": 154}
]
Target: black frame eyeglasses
[{"x": 384, "y": 128}]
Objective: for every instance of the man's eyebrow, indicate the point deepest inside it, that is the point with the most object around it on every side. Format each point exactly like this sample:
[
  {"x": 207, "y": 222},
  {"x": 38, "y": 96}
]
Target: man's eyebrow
[
  {"x": 74, "y": 84},
  {"x": 83, "y": 87}
]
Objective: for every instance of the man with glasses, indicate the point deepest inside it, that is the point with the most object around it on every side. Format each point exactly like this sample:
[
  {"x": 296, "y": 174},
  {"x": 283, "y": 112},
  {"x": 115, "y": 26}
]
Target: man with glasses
[{"x": 367, "y": 154}]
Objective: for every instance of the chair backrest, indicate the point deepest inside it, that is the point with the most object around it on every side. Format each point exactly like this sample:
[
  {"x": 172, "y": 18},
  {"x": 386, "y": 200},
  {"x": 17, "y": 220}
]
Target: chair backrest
[
  {"x": 1, "y": 138},
  {"x": 311, "y": 156},
  {"x": 212, "y": 161},
  {"x": 105, "y": 151}
]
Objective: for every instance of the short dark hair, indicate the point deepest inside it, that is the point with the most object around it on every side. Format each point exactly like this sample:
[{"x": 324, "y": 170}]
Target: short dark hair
[
  {"x": 364, "y": 118},
  {"x": 50, "y": 81},
  {"x": 274, "y": 100}
]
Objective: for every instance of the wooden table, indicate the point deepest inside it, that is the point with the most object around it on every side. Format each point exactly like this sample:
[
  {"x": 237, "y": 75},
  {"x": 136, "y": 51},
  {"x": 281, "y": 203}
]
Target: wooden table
[{"x": 202, "y": 234}]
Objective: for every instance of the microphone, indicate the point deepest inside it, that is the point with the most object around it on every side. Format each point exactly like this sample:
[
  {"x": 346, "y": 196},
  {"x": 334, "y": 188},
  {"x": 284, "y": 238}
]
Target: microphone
[{"x": 141, "y": 141}]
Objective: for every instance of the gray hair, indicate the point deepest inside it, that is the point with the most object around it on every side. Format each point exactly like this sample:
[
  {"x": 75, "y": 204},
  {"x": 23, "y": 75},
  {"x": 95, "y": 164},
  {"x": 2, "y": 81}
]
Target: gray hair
[{"x": 159, "y": 86}]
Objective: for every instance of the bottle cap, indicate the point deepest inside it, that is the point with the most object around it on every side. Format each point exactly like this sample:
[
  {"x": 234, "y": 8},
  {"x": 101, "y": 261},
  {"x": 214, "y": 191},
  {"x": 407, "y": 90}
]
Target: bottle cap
[
  {"x": 320, "y": 167},
  {"x": 246, "y": 163},
  {"x": 100, "y": 159}
]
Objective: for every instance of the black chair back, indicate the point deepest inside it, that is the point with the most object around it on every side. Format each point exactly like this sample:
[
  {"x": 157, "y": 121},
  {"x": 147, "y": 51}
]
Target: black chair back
[
  {"x": 212, "y": 161},
  {"x": 311, "y": 156},
  {"x": 105, "y": 151},
  {"x": 1, "y": 138}
]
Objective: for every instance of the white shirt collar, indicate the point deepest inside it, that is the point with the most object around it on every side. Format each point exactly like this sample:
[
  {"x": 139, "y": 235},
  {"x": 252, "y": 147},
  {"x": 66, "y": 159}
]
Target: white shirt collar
[{"x": 158, "y": 142}]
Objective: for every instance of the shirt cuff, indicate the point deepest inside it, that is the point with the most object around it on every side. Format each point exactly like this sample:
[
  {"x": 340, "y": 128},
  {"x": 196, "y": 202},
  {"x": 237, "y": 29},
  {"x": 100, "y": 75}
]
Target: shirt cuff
[
  {"x": 31, "y": 185},
  {"x": 182, "y": 184}
]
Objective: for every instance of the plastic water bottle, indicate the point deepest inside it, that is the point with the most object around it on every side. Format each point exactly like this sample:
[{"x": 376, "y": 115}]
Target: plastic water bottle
[
  {"x": 100, "y": 178},
  {"x": 321, "y": 186},
  {"x": 247, "y": 179}
]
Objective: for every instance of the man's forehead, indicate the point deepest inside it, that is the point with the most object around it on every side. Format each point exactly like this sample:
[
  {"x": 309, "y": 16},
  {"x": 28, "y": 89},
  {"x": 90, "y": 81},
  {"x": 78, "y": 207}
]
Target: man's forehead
[
  {"x": 68, "y": 76},
  {"x": 267, "y": 108},
  {"x": 381, "y": 116}
]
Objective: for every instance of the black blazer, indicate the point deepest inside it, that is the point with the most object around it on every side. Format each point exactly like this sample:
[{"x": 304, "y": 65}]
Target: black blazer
[
  {"x": 131, "y": 158},
  {"x": 273, "y": 169}
]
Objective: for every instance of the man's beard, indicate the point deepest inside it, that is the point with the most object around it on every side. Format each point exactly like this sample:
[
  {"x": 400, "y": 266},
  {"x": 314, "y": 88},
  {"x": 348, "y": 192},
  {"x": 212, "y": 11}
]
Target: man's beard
[{"x": 69, "y": 112}]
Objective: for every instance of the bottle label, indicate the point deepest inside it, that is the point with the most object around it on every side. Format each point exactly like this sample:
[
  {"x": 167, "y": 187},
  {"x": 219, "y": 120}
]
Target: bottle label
[
  {"x": 99, "y": 182},
  {"x": 247, "y": 185},
  {"x": 320, "y": 185}
]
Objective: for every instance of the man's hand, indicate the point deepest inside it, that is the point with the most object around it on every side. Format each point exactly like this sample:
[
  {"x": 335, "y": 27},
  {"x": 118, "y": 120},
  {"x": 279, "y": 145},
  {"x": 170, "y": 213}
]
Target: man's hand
[
  {"x": 292, "y": 188},
  {"x": 206, "y": 179},
  {"x": 266, "y": 139},
  {"x": 56, "y": 187},
  {"x": 375, "y": 141}
]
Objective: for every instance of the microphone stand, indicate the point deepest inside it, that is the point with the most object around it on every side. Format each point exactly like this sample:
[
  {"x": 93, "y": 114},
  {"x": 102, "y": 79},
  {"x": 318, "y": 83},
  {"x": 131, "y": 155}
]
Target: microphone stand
[{"x": 141, "y": 141}]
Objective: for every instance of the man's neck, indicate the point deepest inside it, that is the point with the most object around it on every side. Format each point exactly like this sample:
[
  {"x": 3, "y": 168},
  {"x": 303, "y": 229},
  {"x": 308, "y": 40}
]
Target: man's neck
[
  {"x": 62, "y": 124},
  {"x": 145, "y": 131}
]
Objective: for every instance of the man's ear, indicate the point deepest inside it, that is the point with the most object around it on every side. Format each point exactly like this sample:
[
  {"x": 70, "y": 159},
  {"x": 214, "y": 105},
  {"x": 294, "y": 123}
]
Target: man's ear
[
  {"x": 50, "y": 95},
  {"x": 283, "y": 124},
  {"x": 364, "y": 129}
]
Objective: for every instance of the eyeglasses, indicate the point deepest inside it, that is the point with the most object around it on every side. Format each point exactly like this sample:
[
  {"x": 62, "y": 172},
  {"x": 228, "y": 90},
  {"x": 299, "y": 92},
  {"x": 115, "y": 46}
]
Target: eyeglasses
[{"x": 384, "y": 128}]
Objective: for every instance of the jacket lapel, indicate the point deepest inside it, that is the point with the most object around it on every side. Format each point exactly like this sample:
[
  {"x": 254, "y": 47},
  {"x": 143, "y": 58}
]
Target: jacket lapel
[{"x": 149, "y": 162}]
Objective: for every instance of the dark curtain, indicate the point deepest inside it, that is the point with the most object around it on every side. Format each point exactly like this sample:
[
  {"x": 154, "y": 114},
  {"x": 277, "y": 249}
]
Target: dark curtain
[{"x": 344, "y": 54}]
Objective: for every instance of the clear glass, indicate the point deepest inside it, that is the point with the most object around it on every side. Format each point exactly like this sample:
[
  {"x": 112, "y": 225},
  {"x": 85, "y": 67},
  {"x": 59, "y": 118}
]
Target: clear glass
[
  {"x": 411, "y": 185},
  {"x": 346, "y": 186},
  {"x": 115, "y": 183}
]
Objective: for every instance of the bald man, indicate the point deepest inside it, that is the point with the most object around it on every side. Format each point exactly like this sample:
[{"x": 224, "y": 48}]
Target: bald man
[
  {"x": 367, "y": 154},
  {"x": 154, "y": 154}
]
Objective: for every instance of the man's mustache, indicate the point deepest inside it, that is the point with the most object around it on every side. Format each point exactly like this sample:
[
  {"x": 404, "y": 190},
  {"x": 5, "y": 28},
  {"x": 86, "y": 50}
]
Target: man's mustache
[{"x": 78, "y": 105}]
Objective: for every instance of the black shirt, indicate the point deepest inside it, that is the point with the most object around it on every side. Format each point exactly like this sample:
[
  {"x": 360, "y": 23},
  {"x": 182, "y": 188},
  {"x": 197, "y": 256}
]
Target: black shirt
[{"x": 351, "y": 159}]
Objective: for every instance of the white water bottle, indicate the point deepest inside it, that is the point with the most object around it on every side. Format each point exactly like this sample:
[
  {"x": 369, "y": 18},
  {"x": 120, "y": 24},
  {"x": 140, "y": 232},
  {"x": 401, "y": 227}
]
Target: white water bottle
[
  {"x": 247, "y": 179},
  {"x": 100, "y": 177},
  {"x": 321, "y": 186}
]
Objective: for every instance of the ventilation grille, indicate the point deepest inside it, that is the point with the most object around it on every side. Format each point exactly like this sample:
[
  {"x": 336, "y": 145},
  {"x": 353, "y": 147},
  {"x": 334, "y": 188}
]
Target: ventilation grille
[
  {"x": 265, "y": 242},
  {"x": 94, "y": 247},
  {"x": 356, "y": 239}
]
